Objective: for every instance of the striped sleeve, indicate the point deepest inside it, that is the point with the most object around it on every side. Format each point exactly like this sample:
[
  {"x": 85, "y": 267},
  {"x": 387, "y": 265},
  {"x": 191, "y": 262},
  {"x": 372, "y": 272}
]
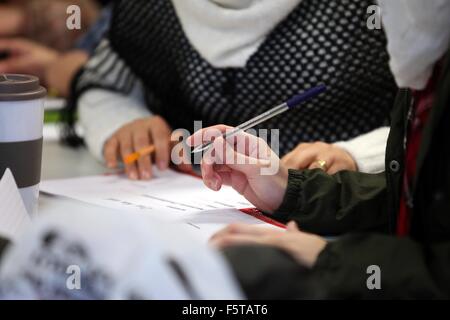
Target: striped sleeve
[
  {"x": 105, "y": 70},
  {"x": 108, "y": 96}
]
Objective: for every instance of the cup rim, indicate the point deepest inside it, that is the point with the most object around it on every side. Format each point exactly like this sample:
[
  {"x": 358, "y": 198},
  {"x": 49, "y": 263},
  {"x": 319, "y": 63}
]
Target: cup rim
[{"x": 19, "y": 87}]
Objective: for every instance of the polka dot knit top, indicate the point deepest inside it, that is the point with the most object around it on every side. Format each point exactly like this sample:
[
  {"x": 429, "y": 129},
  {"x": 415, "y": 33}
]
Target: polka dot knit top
[{"x": 320, "y": 42}]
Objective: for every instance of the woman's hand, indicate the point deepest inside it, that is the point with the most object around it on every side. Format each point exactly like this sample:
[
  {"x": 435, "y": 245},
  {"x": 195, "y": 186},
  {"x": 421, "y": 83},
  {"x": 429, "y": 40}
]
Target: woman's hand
[
  {"x": 26, "y": 57},
  {"x": 60, "y": 73},
  {"x": 246, "y": 163},
  {"x": 136, "y": 136},
  {"x": 303, "y": 247},
  {"x": 319, "y": 155}
]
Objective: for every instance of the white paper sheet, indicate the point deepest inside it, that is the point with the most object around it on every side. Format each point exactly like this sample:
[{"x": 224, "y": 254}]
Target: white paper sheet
[
  {"x": 172, "y": 196},
  {"x": 118, "y": 255},
  {"x": 14, "y": 218}
]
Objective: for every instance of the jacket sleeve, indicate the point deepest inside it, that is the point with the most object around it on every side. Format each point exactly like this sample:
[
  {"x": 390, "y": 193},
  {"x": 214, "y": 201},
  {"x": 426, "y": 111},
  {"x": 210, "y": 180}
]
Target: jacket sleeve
[
  {"x": 105, "y": 70},
  {"x": 277, "y": 275},
  {"x": 405, "y": 269},
  {"x": 97, "y": 120},
  {"x": 331, "y": 205}
]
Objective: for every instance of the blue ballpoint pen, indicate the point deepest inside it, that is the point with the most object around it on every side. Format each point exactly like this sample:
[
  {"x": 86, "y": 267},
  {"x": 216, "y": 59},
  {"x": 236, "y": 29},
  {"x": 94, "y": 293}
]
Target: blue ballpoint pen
[{"x": 290, "y": 104}]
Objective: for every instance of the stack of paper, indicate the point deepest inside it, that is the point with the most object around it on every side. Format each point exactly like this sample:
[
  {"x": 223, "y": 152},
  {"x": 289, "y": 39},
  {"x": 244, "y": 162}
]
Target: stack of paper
[
  {"x": 172, "y": 196},
  {"x": 14, "y": 218},
  {"x": 109, "y": 254}
]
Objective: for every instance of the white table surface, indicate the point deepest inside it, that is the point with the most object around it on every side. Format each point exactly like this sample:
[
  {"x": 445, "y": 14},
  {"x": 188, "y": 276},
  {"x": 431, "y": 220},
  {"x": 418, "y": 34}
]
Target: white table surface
[{"x": 61, "y": 162}]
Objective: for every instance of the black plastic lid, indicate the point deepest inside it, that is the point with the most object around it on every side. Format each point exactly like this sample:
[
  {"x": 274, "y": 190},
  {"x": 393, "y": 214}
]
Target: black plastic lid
[{"x": 19, "y": 87}]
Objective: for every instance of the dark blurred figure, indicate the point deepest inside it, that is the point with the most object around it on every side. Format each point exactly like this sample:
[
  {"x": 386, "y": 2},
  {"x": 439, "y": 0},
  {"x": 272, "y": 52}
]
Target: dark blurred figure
[
  {"x": 34, "y": 39},
  {"x": 44, "y": 21}
]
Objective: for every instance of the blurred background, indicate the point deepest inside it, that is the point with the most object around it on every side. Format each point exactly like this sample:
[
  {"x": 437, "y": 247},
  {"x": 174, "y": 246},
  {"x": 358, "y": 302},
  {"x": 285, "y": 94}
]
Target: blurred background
[{"x": 35, "y": 39}]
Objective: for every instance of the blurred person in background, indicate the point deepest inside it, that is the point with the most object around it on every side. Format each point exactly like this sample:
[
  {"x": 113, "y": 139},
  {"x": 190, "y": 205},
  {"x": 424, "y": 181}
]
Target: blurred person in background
[
  {"x": 35, "y": 40},
  {"x": 44, "y": 21}
]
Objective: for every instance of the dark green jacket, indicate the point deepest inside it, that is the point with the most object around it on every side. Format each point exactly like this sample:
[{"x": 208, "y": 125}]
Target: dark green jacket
[
  {"x": 366, "y": 206},
  {"x": 414, "y": 267}
]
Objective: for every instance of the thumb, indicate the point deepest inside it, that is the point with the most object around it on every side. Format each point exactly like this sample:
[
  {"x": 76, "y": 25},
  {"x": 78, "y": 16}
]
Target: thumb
[{"x": 292, "y": 227}]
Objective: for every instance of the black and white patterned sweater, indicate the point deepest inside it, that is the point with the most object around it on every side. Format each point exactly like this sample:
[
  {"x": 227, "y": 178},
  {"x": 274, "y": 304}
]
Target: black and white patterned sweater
[{"x": 319, "y": 42}]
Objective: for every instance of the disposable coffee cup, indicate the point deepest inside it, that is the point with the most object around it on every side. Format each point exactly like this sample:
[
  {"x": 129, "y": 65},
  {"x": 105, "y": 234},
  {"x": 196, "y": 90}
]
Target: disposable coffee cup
[{"x": 21, "y": 127}]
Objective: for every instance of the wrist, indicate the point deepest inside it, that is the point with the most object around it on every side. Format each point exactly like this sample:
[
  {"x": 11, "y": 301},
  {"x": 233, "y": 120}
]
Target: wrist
[
  {"x": 282, "y": 179},
  {"x": 348, "y": 158},
  {"x": 318, "y": 244},
  {"x": 292, "y": 195}
]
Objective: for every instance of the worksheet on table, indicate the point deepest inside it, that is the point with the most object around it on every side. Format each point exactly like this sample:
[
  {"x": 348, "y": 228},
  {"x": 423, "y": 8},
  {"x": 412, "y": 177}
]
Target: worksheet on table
[{"x": 170, "y": 195}]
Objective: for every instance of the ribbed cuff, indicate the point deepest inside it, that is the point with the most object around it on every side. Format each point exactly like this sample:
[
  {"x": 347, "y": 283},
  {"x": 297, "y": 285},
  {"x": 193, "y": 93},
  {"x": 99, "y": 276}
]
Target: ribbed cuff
[{"x": 293, "y": 197}]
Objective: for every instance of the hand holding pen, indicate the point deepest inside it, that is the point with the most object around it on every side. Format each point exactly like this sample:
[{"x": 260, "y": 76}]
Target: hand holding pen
[
  {"x": 131, "y": 157},
  {"x": 140, "y": 146}
]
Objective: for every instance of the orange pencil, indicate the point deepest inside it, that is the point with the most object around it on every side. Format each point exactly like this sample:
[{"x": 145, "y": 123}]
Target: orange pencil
[{"x": 137, "y": 155}]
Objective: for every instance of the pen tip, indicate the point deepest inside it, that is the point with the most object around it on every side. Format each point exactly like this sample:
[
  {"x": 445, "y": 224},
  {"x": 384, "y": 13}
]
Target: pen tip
[{"x": 201, "y": 148}]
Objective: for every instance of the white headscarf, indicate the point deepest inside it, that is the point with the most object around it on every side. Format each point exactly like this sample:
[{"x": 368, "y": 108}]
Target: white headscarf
[
  {"x": 418, "y": 33},
  {"x": 226, "y": 33}
]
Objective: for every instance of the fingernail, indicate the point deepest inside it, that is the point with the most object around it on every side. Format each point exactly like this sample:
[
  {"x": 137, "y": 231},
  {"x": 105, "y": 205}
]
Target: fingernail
[
  {"x": 133, "y": 176},
  {"x": 216, "y": 185},
  {"x": 162, "y": 165},
  {"x": 146, "y": 175}
]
